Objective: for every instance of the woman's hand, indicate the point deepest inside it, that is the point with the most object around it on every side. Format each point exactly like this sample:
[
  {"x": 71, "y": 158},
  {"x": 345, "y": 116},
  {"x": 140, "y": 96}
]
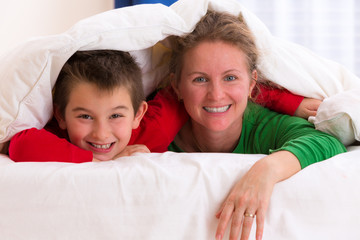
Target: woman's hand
[
  {"x": 308, "y": 107},
  {"x": 251, "y": 195}
]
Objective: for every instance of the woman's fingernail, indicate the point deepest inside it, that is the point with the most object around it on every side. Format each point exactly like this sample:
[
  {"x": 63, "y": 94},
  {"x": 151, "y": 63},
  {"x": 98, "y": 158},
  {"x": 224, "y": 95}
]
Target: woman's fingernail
[{"x": 218, "y": 237}]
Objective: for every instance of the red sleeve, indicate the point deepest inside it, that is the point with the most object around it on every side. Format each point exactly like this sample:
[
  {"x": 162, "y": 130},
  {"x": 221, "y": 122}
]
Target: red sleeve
[
  {"x": 33, "y": 145},
  {"x": 278, "y": 100},
  {"x": 163, "y": 120}
]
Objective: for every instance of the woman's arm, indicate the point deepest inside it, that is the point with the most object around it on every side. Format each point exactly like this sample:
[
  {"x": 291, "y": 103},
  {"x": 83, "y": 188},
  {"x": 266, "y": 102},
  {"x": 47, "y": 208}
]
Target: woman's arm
[{"x": 292, "y": 142}]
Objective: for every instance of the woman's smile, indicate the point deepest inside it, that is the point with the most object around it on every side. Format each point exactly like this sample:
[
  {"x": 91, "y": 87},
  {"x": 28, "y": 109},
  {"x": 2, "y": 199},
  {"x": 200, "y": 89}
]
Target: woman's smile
[{"x": 217, "y": 109}]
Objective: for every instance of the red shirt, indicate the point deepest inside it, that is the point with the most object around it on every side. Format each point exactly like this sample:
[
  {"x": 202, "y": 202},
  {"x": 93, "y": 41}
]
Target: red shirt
[
  {"x": 276, "y": 99},
  {"x": 164, "y": 118},
  {"x": 157, "y": 129}
]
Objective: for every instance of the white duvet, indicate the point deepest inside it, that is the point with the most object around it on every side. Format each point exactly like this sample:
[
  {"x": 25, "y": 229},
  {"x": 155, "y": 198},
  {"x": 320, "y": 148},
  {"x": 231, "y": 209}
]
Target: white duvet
[
  {"x": 170, "y": 195},
  {"x": 28, "y": 72}
]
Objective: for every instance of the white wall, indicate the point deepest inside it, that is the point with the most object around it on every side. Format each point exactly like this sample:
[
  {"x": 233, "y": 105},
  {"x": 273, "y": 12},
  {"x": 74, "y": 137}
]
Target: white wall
[{"x": 23, "y": 19}]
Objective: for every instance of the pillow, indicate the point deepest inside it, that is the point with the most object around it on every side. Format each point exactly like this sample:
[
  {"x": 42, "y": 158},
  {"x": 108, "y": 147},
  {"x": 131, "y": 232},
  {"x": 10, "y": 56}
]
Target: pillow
[{"x": 339, "y": 113}]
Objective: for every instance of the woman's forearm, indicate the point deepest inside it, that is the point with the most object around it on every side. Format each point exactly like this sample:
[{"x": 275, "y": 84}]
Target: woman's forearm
[{"x": 281, "y": 164}]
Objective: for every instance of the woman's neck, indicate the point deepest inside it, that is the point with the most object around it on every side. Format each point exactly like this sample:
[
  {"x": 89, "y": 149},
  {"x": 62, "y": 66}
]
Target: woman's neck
[{"x": 195, "y": 138}]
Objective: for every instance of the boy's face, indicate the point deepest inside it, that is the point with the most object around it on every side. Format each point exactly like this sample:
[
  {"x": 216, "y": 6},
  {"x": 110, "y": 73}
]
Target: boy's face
[{"x": 100, "y": 121}]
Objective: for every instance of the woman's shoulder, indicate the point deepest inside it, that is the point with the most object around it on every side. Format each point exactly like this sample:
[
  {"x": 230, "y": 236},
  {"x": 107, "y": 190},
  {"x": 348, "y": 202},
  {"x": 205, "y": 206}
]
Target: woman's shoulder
[
  {"x": 256, "y": 115},
  {"x": 255, "y": 112}
]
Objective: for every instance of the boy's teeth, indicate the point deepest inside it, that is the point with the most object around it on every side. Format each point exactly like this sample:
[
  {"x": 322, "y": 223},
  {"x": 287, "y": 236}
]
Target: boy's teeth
[
  {"x": 104, "y": 146},
  {"x": 218, "y": 109}
]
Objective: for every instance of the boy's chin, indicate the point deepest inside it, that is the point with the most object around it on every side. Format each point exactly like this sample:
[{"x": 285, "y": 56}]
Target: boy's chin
[{"x": 102, "y": 157}]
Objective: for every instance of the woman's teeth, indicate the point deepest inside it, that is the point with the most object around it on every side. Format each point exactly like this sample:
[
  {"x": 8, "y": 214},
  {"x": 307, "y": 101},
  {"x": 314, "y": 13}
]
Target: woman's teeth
[{"x": 217, "y": 109}]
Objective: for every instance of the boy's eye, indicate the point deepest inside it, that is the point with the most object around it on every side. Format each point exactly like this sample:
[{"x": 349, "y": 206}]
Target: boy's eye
[
  {"x": 85, "y": 116},
  {"x": 116, "y": 115},
  {"x": 230, "y": 78},
  {"x": 200, "y": 79}
]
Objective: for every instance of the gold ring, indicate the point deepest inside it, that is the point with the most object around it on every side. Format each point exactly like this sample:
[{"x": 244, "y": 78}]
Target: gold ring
[{"x": 249, "y": 215}]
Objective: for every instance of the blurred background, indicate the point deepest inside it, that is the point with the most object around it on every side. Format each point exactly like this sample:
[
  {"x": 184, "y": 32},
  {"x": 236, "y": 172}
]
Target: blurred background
[{"x": 330, "y": 28}]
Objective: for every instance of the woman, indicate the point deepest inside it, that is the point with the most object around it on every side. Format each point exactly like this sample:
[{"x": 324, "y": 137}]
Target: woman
[{"x": 213, "y": 73}]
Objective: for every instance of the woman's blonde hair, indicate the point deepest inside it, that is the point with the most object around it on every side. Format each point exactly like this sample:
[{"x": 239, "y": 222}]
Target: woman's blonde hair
[{"x": 216, "y": 26}]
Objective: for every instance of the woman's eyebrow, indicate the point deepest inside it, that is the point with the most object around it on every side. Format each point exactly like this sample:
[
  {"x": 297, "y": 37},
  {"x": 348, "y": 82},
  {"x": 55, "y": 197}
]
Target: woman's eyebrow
[
  {"x": 196, "y": 72},
  {"x": 232, "y": 70}
]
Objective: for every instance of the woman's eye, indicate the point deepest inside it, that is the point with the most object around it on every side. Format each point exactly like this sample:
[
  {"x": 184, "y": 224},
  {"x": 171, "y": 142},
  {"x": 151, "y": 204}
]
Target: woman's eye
[
  {"x": 230, "y": 78},
  {"x": 200, "y": 79}
]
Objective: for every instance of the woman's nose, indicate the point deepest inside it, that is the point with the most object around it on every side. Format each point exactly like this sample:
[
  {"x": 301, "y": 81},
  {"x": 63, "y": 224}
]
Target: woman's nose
[{"x": 215, "y": 90}]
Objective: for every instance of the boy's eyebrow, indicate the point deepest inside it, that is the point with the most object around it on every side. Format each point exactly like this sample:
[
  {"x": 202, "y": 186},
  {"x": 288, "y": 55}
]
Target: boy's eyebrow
[
  {"x": 79, "y": 109},
  {"x": 86, "y": 110},
  {"x": 121, "y": 107}
]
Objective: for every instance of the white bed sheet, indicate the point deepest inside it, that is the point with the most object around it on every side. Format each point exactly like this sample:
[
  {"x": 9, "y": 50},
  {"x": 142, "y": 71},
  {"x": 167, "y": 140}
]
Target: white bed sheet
[{"x": 171, "y": 196}]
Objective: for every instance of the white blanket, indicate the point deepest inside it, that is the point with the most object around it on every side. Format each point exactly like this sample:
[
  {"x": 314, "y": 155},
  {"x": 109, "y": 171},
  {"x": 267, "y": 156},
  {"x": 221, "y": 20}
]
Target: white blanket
[
  {"x": 28, "y": 72},
  {"x": 171, "y": 196}
]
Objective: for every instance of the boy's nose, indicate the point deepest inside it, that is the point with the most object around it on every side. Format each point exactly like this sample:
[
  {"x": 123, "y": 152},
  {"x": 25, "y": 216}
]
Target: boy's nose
[{"x": 100, "y": 131}]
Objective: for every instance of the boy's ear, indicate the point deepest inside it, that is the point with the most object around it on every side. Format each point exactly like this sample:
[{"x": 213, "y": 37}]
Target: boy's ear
[
  {"x": 59, "y": 118},
  {"x": 174, "y": 85},
  {"x": 140, "y": 114}
]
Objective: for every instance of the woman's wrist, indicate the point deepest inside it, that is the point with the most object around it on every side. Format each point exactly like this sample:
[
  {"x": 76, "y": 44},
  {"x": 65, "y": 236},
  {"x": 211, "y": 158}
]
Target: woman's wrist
[{"x": 280, "y": 165}]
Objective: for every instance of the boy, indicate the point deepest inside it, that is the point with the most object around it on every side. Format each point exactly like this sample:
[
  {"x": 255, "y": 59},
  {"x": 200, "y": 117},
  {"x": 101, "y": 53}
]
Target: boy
[{"x": 99, "y": 106}]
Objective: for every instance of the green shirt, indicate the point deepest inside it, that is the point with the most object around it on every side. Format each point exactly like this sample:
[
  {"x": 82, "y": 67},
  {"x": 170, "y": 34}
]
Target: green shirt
[{"x": 264, "y": 132}]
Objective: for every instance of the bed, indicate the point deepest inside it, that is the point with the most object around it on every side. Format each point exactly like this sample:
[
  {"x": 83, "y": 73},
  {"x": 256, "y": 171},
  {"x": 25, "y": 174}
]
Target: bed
[{"x": 170, "y": 195}]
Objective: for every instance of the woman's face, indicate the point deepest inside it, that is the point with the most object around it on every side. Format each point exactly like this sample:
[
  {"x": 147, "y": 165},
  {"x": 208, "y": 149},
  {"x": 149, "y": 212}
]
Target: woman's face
[{"x": 215, "y": 84}]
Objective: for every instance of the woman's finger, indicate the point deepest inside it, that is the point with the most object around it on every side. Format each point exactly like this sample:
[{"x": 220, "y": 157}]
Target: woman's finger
[
  {"x": 225, "y": 216},
  {"x": 236, "y": 223},
  {"x": 260, "y": 221},
  {"x": 249, "y": 216},
  {"x": 220, "y": 210}
]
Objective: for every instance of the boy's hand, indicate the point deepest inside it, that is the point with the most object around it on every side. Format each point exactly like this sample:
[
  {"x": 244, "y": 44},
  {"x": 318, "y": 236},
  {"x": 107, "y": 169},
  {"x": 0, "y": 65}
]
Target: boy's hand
[
  {"x": 131, "y": 149},
  {"x": 128, "y": 151},
  {"x": 308, "y": 107}
]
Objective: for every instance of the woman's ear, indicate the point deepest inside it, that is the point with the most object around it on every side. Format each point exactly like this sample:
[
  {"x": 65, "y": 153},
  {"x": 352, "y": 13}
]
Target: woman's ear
[
  {"x": 59, "y": 117},
  {"x": 254, "y": 77},
  {"x": 139, "y": 114},
  {"x": 174, "y": 85}
]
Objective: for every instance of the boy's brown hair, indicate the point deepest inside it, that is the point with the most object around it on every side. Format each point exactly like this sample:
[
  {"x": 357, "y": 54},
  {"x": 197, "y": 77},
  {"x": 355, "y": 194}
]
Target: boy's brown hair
[{"x": 107, "y": 69}]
